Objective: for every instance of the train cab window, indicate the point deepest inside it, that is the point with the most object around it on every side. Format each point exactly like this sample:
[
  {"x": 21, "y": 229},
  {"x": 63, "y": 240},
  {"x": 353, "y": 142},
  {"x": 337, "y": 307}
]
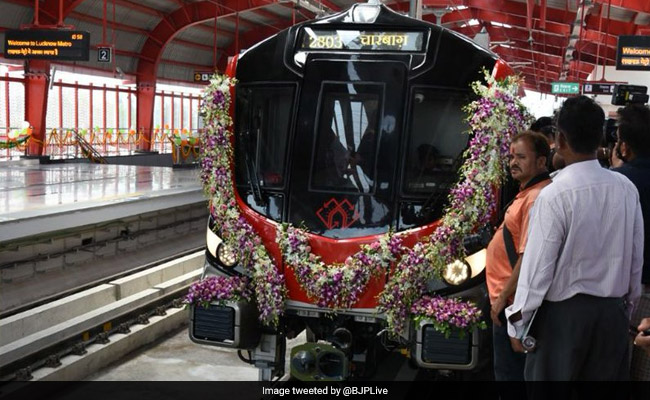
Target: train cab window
[
  {"x": 436, "y": 141},
  {"x": 263, "y": 123},
  {"x": 346, "y": 140}
]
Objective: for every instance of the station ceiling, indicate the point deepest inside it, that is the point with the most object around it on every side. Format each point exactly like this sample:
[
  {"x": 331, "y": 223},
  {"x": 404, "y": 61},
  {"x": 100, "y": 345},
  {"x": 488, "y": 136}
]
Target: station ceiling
[{"x": 544, "y": 40}]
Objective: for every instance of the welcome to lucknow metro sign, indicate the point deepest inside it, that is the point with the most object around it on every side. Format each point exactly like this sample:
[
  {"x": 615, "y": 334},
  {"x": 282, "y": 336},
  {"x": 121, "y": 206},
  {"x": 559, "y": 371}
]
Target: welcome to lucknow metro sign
[
  {"x": 633, "y": 53},
  {"x": 565, "y": 88},
  {"x": 47, "y": 44}
]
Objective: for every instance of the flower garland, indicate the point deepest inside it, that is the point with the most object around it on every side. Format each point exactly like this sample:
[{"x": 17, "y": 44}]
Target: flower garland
[
  {"x": 494, "y": 118},
  {"x": 218, "y": 289},
  {"x": 336, "y": 286},
  {"x": 235, "y": 231},
  {"x": 448, "y": 315}
]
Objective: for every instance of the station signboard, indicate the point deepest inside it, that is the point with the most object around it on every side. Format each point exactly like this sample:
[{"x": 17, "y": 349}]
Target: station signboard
[
  {"x": 598, "y": 88},
  {"x": 565, "y": 88},
  {"x": 633, "y": 53},
  {"x": 202, "y": 76},
  {"x": 47, "y": 44},
  {"x": 104, "y": 54}
]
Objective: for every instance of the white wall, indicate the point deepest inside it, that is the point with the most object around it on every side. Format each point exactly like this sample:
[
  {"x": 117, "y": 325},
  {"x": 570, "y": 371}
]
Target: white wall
[{"x": 541, "y": 105}]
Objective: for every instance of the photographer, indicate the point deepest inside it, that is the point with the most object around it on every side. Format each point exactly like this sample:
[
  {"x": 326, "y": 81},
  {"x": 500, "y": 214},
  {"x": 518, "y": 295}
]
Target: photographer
[{"x": 633, "y": 147}]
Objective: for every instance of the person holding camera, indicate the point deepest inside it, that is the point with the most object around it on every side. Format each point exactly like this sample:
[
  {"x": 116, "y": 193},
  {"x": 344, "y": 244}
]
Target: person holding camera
[
  {"x": 633, "y": 147},
  {"x": 581, "y": 269}
]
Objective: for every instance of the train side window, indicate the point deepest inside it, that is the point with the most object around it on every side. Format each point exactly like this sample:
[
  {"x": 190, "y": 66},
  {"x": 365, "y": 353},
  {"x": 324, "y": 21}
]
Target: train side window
[
  {"x": 346, "y": 139},
  {"x": 263, "y": 120},
  {"x": 436, "y": 140}
]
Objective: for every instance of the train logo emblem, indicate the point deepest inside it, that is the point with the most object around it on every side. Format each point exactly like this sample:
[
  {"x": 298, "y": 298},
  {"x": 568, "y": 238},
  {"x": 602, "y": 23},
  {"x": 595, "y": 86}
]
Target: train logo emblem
[{"x": 335, "y": 214}]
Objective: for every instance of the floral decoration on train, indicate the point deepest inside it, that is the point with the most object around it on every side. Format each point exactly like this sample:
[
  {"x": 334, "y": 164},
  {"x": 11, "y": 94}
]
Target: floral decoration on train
[
  {"x": 494, "y": 118},
  {"x": 448, "y": 315},
  {"x": 339, "y": 285},
  {"x": 219, "y": 289},
  {"x": 216, "y": 175}
]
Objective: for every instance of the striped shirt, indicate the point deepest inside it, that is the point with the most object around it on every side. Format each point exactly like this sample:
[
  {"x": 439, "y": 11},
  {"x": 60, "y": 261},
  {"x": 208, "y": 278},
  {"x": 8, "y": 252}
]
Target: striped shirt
[{"x": 585, "y": 236}]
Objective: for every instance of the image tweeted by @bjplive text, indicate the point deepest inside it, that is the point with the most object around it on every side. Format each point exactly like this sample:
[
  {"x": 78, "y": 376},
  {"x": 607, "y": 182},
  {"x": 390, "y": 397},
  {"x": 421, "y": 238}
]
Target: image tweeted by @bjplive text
[{"x": 344, "y": 391}]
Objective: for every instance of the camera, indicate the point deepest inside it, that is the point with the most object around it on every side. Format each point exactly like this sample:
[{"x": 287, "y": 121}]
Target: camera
[
  {"x": 629, "y": 94},
  {"x": 622, "y": 96},
  {"x": 609, "y": 132}
]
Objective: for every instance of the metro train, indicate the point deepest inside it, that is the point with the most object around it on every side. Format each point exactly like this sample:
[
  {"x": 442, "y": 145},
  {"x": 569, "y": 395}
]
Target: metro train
[{"x": 348, "y": 127}]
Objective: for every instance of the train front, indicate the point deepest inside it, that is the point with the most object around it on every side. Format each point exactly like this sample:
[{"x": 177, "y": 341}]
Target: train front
[{"x": 347, "y": 129}]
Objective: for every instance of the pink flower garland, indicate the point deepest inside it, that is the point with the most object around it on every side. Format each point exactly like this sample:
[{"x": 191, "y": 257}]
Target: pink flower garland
[
  {"x": 336, "y": 286},
  {"x": 218, "y": 289},
  {"x": 493, "y": 119},
  {"x": 448, "y": 315},
  {"x": 216, "y": 155}
]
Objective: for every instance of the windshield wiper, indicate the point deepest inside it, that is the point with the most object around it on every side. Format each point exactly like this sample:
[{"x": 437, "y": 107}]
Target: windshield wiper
[
  {"x": 434, "y": 198},
  {"x": 251, "y": 171}
]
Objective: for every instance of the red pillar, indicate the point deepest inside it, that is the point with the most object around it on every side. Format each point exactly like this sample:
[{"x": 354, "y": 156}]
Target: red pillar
[
  {"x": 37, "y": 77},
  {"x": 146, "y": 93}
]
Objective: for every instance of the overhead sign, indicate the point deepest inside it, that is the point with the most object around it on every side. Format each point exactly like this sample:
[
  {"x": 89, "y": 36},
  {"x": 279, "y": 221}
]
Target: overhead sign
[
  {"x": 598, "y": 88},
  {"x": 104, "y": 54},
  {"x": 47, "y": 44},
  {"x": 202, "y": 76},
  {"x": 565, "y": 88},
  {"x": 356, "y": 40},
  {"x": 633, "y": 53}
]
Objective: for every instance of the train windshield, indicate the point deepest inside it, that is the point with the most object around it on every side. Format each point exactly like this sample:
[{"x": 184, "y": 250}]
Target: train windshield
[
  {"x": 435, "y": 140},
  {"x": 264, "y": 124},
  {"x": 346, "y": 138}
]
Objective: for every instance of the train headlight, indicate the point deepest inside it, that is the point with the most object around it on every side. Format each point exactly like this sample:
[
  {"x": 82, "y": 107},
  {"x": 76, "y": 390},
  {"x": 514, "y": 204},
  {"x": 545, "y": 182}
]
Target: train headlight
[
  {"x": 226, "y": 255},
  {"x": 457, "y": 273}
]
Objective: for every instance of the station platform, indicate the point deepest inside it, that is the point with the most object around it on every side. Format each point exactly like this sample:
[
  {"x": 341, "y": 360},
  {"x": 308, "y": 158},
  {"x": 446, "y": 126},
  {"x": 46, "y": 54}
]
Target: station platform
[
  {"x": 65, "y": 226},
  {"x": 39, "y": 198}
]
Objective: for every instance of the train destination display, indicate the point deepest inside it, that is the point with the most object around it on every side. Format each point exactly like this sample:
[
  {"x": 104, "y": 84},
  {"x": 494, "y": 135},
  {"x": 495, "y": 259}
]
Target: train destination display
[
  {"x": 47, "y": 44},
  {"x": 342, "y": 39}
]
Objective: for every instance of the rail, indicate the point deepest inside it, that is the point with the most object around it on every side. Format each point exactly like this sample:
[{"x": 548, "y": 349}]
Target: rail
[{"x": 43, "y": 336}]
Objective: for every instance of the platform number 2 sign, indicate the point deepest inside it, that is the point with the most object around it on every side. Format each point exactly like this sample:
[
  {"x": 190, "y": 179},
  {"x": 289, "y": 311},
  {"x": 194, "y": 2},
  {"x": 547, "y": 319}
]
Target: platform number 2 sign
[{"x": 104, "y": 54}]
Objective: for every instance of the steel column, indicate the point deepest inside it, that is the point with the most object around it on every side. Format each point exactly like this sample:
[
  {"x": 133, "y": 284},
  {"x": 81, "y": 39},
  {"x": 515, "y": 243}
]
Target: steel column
[
  {"x": 146, "y": 92},
  {"x": 76, "y": 105},
  {"x": 117, "y": 110},
  {"x": 7, "y": 108},
  {"x": 90, "y": 116},
  {"x": 37, "y": 79},
  {"x": 60, "y": 107}
]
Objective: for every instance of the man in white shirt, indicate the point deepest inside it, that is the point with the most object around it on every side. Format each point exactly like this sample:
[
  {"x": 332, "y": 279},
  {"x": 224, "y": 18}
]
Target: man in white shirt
[{"x": 581, "y": 268}]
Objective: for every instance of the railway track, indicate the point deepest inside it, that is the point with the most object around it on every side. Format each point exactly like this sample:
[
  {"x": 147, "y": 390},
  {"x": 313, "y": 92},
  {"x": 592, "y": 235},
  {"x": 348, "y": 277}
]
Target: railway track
[{"x": 113, "y": 316}]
